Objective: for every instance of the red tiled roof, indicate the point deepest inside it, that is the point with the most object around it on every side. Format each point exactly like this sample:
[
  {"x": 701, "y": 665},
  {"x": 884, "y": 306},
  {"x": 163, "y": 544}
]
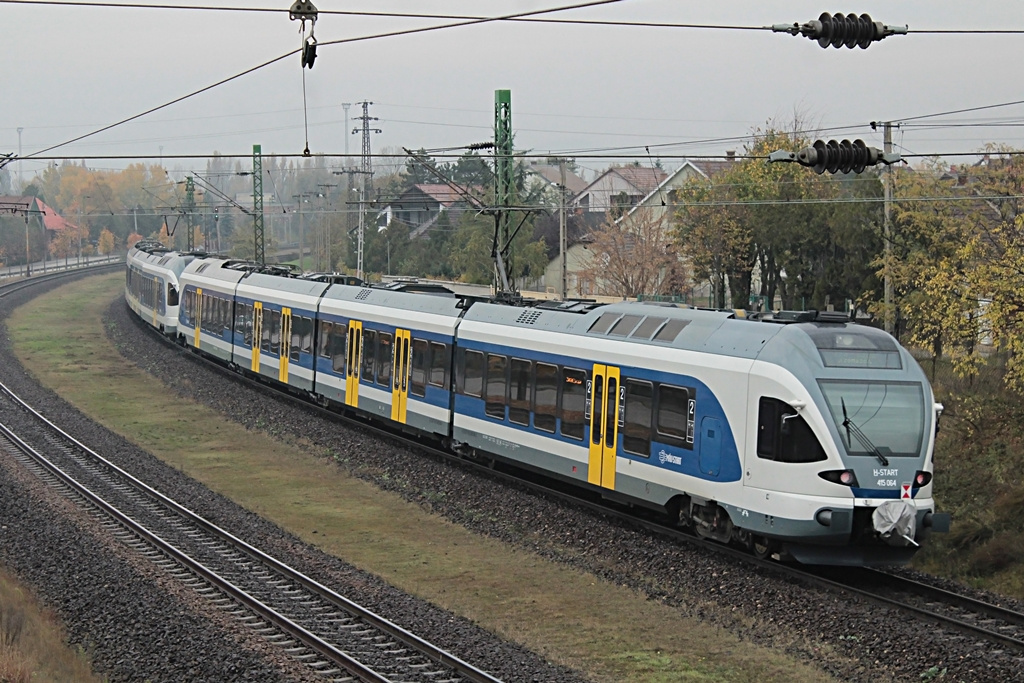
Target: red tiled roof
[
  {"x": 53, "y": 221},
  {"x": 641, "y": 177}
]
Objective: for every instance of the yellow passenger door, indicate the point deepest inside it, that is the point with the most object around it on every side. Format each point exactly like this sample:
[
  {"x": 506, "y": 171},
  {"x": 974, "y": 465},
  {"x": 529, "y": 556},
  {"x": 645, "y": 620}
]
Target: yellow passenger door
[
  {"x": 353, "y": 362},
  {"x": 603, "y": 398}
]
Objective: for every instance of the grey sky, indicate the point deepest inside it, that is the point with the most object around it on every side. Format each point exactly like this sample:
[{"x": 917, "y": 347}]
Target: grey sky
[{"x": 67, "y": 71}]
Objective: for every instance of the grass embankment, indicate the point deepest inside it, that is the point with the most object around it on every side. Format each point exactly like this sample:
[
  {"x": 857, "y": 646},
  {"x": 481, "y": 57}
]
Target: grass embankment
[
  {"x": 609, "y": 632},
  {"x": 32, "y": 646},
  {"x": 979, "y": 478}
]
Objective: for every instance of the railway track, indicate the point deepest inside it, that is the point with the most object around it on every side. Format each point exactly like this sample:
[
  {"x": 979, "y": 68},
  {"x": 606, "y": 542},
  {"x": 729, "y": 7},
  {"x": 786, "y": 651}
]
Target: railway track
[
  {"x": 958, "y": 613},
  {"x": 329, "y": 633}
]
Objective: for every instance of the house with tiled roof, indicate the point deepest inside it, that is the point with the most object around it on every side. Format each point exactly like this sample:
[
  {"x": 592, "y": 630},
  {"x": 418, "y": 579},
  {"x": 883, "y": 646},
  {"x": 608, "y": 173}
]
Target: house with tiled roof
[
  {"x": 420, "y": 206},
  {"x": 619, "y": 187},
  {"x": 663, "y": 197}
]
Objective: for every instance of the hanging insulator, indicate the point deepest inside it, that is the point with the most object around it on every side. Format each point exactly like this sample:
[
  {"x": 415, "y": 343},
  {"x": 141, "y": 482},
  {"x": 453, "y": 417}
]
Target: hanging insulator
[
  {"x": 841, "y": 30},
  {"x": 309, "y": 51},
  {"x": 841, "y": 157}
]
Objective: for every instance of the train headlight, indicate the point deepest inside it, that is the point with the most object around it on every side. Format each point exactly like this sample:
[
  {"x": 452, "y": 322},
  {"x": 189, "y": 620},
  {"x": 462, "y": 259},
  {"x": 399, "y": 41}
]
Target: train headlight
[
  {"x": 922, "y": 478},
  {"x": 844, "y": 477}
]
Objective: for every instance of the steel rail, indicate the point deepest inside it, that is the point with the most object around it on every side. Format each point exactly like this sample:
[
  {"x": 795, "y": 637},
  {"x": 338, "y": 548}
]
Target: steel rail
[
  {"x": 308, "y": 639},
  {"x": 407, "y": 638}
]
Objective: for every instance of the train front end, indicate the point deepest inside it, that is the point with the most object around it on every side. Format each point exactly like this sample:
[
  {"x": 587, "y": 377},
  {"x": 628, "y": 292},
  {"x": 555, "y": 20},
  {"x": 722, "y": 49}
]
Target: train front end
[{"x": 869, "y": 418}]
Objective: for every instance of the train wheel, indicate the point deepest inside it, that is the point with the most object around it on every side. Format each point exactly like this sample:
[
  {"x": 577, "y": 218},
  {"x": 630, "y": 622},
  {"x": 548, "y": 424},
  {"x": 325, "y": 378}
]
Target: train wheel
[{"x": 762, "y": 547}]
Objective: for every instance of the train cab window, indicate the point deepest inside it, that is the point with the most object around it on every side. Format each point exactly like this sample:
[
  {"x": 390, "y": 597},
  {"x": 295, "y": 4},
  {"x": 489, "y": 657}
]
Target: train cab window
[
  {"x": 497, "y": 385},
  {"x": 604, "y": 323},
  {"x": 574, "y": 397},
  {"x": 520, "y": 389},
  {"x": 670, "y": 331},
  {"x": 438, "y": 364},
  {"x": 339, "y": 336},
  {"x": 385, "y": 357},
  {"x": 545, "y": 397},
  {"x": 172, "y": 295},
  {"x": 369, "y": 354},
  {"x": 473, "y": 374},
  {"x": 636, "y": 428},
  {"x": 783, "y": 435},
  {"x": 418, "y": 383},
  {"x": 677, "y": 409},
  {"x": 624, "y": 326}
]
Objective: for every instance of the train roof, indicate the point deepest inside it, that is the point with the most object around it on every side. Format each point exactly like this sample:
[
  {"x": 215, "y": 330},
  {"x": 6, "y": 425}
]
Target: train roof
[
  {"x": 156, "y": 254},
  {"x": 434, "y": 302},
  {"x": 720, "y": 332}
]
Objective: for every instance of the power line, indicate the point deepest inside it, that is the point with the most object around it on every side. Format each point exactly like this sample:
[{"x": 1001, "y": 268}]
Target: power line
[{"x": 592, "y": 3}]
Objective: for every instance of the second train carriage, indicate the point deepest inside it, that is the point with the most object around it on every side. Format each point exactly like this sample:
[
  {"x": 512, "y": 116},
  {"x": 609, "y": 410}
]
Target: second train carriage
[{"x": 388, "y": 351}]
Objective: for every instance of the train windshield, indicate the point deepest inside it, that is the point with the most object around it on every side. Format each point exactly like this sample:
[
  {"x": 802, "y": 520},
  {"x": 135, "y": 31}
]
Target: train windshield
[{"x": 891, "y": 415}]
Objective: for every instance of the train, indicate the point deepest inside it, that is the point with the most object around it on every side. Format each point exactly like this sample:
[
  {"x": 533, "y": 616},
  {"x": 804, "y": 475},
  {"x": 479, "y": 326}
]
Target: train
[{"x": 801, "y": 436}]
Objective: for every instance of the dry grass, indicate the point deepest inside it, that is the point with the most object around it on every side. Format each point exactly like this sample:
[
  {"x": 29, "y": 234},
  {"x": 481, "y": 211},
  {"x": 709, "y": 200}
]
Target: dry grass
[
  {"x": 32, "y": 646},
  {"x": 609, "y": 632}
]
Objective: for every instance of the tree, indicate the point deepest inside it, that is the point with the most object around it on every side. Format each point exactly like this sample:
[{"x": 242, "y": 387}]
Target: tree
[
  {"x": 632, "y": 255},
  {"x": 778, "y": 229},
  {"x": 106, "y": 242}
]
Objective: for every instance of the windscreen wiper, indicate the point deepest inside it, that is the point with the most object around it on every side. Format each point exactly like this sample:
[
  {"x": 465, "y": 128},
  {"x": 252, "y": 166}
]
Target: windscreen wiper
[{"x": 861, "y": 436}]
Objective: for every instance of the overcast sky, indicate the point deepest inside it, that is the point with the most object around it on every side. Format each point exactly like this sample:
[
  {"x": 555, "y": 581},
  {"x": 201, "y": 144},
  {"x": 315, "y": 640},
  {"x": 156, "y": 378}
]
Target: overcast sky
[{"x": 67, "y": 71}]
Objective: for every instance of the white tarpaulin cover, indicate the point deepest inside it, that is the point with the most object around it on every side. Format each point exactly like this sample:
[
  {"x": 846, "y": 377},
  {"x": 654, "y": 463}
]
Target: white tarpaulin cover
[{"x": 896, "y": 521}]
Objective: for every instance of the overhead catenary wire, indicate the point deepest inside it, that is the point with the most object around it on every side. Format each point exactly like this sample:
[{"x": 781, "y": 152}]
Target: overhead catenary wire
[
  {"x": 376, "y": 36},
  {"x": 468, "y": 17}
]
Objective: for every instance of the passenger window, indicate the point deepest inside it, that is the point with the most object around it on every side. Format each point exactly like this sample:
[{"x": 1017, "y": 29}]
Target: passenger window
[
  {"x": 307, "y": 335},
  {"x": 783, "y": 435},
  {"x": 324, "y": 342},
  {"x": 473, "y": 374},
  {"x": 519, "y": 392},
  {"x": 574, "y": 396},
  {"x": 545, "y": 397},
  {"x": 418, "y": 384},
  {"x": 636, "y": 429},
  {"x": 369, "y": 354},
  {"x": 438, "y": 363},
  {"x": 295, "y": 348},
  {"x": 677, "y": 409},
  {"x": 337, "y": 348},
  {"x": 275, "y": 332},
  {"x": 265, "y": 330},
  {"x": 172, "y": 295},
  {"x": 496, "y": 385},
  {"x": 385, "y": 358}
]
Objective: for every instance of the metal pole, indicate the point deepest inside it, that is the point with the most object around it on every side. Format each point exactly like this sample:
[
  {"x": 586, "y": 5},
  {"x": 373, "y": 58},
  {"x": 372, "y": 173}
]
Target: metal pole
[
  {"x": 888, "y": 232},
  {"x": 359, "y": 241},
  {"x": 562, "y": 249}
]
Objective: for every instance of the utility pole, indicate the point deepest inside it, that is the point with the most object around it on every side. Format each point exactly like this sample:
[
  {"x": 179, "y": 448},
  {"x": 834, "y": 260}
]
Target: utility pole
[
  {"x": 887, "y": 149},
  {"x": 367, "y": 180},
  {"x": 562, "y": 247},
  {"x": 257, "y": 205},
  {"x": 504, "y": 191},
  {"x": 345, "y": 106},
  {"x": 190, "y": 205}
]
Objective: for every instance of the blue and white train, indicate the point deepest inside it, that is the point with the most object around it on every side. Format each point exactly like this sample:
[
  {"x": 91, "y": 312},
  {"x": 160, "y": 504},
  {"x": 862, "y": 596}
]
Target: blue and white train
[{"x": 806, "y": 436}]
